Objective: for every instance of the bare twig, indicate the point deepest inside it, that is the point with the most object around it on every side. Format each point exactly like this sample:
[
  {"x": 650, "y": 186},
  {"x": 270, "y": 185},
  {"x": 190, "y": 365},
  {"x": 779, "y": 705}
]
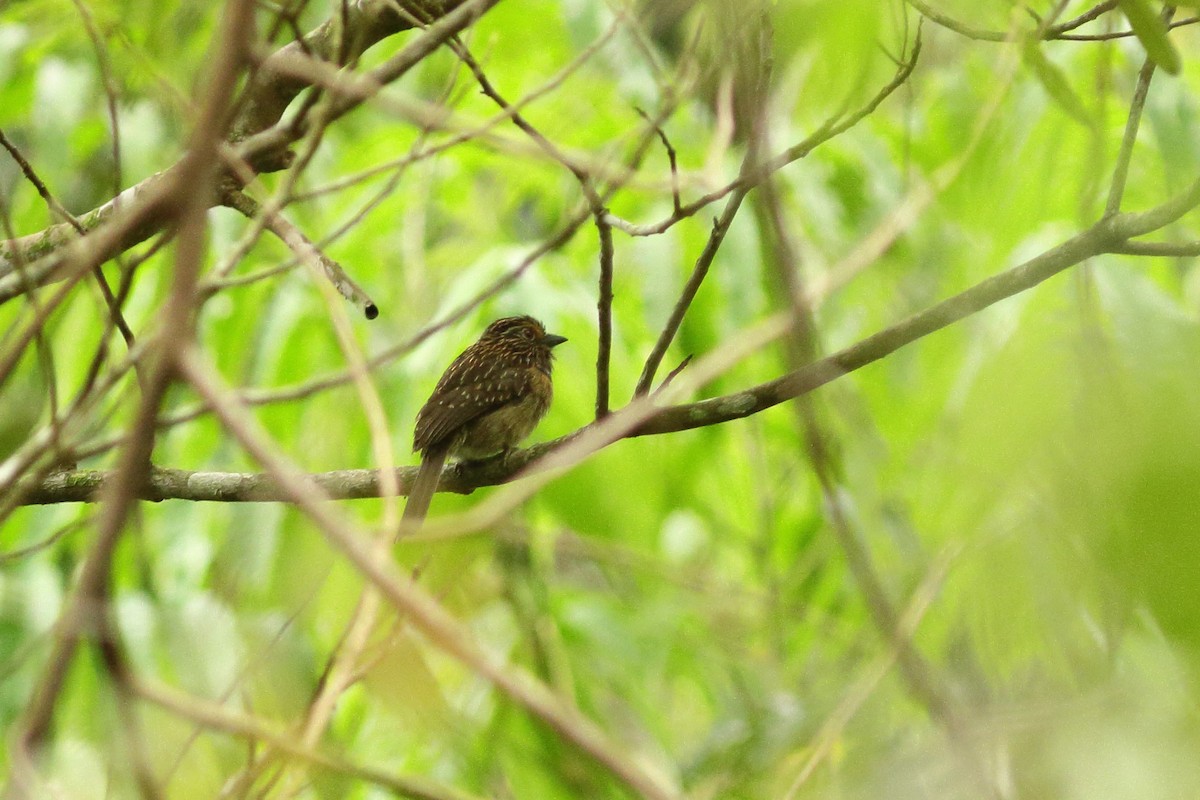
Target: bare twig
[
  {"x": 604, "y": 299},
  {"x": 104, "y": 63},
  {"x": 1047, "y": 32},
  {"x": 750, "y": 177},
  {"x": 1093, "y": 13},
  {"x": 581, "y": 175},
  {"x": 666, "y": 382},
  {"x": 304, "y": 249},
  {"x": 948, "y": 22},
  {"x": 1116, "y": 191},
  {"x": 59, "y": 210},
  {"x": 676, "y": 207},
  {"x": 688, "y": 294},
  {"x": 20, "y": 553}
]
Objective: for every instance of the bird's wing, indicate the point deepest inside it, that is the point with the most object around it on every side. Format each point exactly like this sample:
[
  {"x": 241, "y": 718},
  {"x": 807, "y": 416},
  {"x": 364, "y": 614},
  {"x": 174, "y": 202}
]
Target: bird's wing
[{"x": 466, "y": 392}]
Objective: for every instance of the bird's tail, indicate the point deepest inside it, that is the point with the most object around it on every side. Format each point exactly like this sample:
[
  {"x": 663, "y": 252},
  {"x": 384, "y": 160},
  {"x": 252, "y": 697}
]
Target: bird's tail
[{"x": 423, "y": 487}]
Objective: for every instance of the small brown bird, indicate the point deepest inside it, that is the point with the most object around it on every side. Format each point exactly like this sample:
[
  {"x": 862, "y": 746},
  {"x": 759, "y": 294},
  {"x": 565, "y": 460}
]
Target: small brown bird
[{"x": 486, "y": 402}]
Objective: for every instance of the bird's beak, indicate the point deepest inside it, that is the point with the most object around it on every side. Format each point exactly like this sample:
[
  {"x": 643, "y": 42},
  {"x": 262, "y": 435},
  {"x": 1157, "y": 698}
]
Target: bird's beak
[{"x": 553, "y": 339}]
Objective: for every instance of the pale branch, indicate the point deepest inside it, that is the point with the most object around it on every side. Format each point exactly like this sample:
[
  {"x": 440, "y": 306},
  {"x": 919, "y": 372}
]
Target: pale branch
[
  {"x": 1109, "y": 235},
  {"x": 85, "y": 486},
  {"x": 304, "y": 249},
  {"x": 257, "y": 730}
]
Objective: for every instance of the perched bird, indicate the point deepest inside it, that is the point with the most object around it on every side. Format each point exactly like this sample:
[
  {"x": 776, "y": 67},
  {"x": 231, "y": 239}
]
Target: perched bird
[{"x": 486, "y": 402}]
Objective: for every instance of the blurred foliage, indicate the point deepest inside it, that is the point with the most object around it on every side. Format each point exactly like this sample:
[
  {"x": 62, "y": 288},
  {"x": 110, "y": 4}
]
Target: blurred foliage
[{"x": 685, "y": 591}]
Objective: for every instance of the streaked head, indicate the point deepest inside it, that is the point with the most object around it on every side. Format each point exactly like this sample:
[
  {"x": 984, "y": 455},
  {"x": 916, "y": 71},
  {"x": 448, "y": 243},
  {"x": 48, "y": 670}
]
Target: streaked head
[{"x": 523, "y": 332}]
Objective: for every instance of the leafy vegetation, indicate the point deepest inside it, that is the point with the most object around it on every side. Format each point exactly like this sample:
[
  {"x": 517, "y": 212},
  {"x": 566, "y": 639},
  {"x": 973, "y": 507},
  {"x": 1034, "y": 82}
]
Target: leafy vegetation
[{"x": 954, "y": 554}]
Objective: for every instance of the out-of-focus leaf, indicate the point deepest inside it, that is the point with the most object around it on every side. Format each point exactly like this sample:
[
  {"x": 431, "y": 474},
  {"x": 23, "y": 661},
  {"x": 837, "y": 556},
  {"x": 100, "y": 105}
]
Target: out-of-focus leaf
[
  {"x": 1152, "y": 33},
  {"x": 1055, "y": 83}
]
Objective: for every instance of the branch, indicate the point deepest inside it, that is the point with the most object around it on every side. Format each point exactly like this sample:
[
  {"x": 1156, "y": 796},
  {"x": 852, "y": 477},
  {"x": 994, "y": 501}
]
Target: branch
[
  {"x": 303, "y": 248},
  {"x": 1107, "y": 236},
  {"x": 1048, "y": 33},
  {"x": 216, "y": 717},
  {"x": 87, "y": 599},
  {"x": 420, "y": 609},
  {"x": 137, "y": 213},
  {"x": 604, "y": 301},
  {"x": 699, "y": 273},
  {"x": 751, "y": 177}
]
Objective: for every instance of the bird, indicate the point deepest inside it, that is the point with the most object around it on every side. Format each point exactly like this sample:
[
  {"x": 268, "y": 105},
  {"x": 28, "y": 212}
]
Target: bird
[{"x": 486, "y": 402}]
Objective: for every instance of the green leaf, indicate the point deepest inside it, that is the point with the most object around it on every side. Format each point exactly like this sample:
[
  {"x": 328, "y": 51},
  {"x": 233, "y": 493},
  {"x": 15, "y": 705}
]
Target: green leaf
[
  {"x": 1151, "y": 31},
  {"x": 1055, "y": 83}
]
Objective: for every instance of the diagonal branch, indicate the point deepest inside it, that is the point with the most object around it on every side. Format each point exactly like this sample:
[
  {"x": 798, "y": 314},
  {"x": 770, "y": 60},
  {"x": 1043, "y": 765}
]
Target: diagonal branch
[
  {"x": 699, "y": 273},
  {"x": 418, "y": 607},
  {"x": 88, "y": 598}
]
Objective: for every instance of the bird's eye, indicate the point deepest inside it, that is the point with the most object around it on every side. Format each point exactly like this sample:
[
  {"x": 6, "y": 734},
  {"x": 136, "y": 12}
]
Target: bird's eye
[{"x": 526, "y": 333}]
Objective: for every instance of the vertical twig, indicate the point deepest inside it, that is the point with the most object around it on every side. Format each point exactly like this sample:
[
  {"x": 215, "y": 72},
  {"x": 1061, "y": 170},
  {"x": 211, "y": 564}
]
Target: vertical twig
[
  {"x": 104, "y": 63},
  {"x": 604, "y": 301},
  {"x": 676, "y": 206}
]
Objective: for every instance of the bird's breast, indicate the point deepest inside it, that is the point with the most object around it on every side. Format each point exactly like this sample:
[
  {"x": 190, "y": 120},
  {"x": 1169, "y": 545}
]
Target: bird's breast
[{"x": 509, "y": 425}]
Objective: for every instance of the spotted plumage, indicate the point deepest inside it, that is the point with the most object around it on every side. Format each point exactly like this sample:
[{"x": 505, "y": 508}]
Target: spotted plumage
[{"x": 487, "y": 401}]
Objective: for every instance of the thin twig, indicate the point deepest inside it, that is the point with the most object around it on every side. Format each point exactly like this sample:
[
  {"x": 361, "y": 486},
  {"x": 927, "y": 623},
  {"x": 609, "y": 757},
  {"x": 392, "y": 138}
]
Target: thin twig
[
  {"x": 748, "y": 178},
  {"x": 216, "y": 717},
  {"x": 581, "y": 175},
  {"x": 20, "y": 553},
  {"x": 1116, "y": 191},
  {"x": 604, "y": 300},
  {"x": 1105, "y": 37},
  {"x": 304, "y": 249},
  {"x": 59, "y": 210},
  {"x": 666, "y": 382},
  {"x": 948, "y": 22},
  {"x": 676, "y": 208},
  {"x": 688, "y": 294},
  {"x": 104, "y": 64},
  {"x": 1093, "y": 13}
]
